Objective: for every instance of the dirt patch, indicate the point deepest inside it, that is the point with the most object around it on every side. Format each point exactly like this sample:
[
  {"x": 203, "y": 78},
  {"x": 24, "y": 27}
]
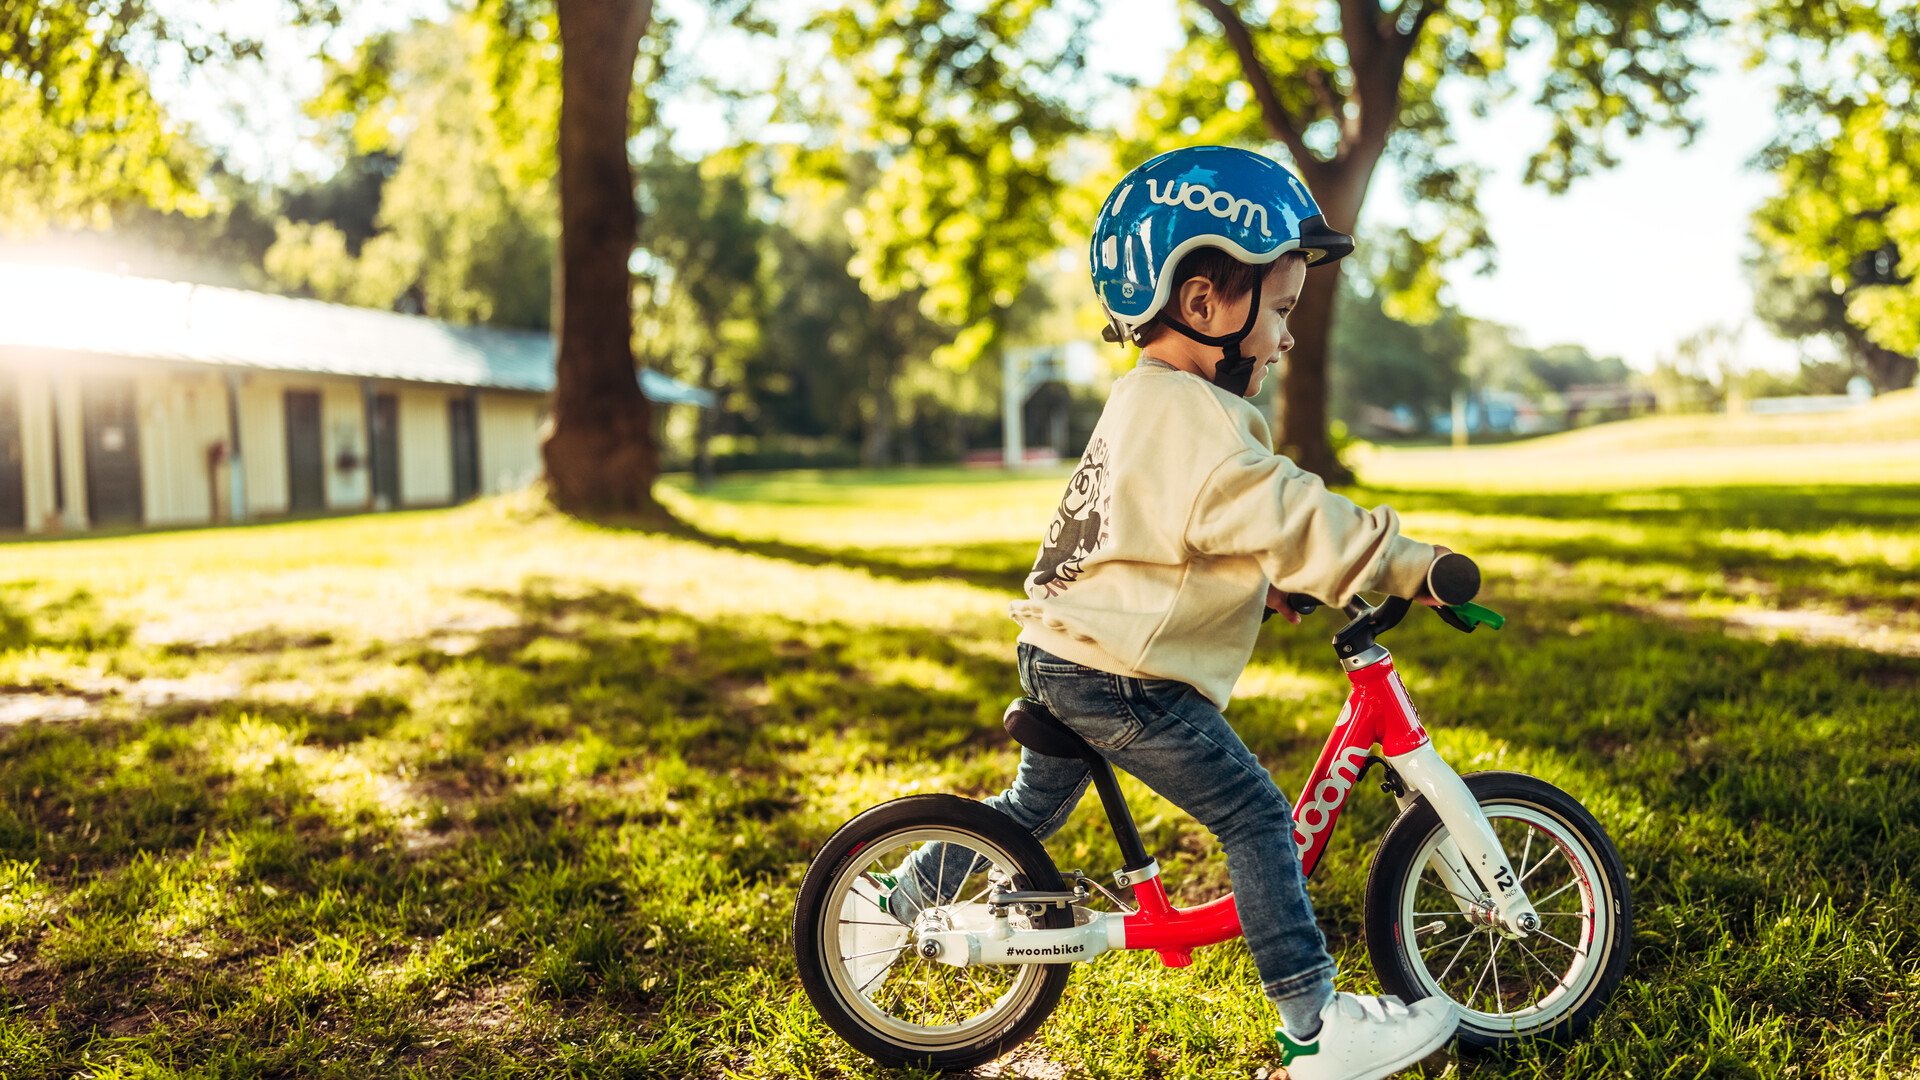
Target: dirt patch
[
  {"x": 27, "y": 707},
  {"x": 501, "y": 1007},
  {"x": 1025, "y": 1064}
]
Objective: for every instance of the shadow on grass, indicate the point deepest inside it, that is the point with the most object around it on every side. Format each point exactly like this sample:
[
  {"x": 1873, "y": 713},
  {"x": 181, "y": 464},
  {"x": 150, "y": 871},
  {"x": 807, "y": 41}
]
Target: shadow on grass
[
  {"x": 572, "y": 842},
  {"x": 1002, "y": 566}
]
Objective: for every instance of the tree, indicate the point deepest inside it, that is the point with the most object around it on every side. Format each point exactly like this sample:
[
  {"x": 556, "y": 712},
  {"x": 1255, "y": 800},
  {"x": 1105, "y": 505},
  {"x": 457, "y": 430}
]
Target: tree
[
  {"x": 1840, "y": 244},
  {"x": 435, "y": 210},
  {"x": 1387, "y": 363},
  {"x": 704, "y": 245},
  {"x": 599, "y": 449},
  {"x": 967, "y": 111},
  {"x": 846, "y": 355},
  {"x": 1341, "y": 88},
  {"x": 80, "y": 132}
]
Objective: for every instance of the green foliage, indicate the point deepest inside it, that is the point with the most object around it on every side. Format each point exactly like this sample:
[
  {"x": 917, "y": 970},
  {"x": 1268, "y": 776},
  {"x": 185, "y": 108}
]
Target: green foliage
[
  {"x": 1381, "y": 361},
  {"x": 80, "y": 132},
  {"x": 968, "y": 114},
  {"x": 1841, "y": 240},
  {"x": 466, "y": 224}
]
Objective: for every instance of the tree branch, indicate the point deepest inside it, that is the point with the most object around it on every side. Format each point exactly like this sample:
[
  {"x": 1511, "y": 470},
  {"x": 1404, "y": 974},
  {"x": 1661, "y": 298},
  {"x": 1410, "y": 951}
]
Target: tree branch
[
  {"x": 1329, "y": 96},
  {"x": 1281, "y": 124},
  {"x": 1360, "y": 28},
  {"x": 1403, "y": 43}
]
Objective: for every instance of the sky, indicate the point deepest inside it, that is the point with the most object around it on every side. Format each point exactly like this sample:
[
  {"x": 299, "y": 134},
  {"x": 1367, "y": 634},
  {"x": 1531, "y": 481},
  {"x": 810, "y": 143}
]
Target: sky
[{"x": 1627, "y": 263}]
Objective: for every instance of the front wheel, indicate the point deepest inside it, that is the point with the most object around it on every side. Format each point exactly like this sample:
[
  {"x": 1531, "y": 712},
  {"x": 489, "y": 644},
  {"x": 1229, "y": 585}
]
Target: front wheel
[
  {"x": 854, "y": 930},
  {"x": 1425, "y": 938}
]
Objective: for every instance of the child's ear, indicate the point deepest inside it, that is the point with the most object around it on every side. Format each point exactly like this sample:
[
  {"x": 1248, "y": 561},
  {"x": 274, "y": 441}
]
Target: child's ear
[{"x": 1196, "y": 301}]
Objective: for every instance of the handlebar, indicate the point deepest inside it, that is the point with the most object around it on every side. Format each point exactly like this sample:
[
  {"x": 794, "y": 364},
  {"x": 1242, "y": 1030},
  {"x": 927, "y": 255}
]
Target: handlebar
[{"x": 1453, "y": 579}]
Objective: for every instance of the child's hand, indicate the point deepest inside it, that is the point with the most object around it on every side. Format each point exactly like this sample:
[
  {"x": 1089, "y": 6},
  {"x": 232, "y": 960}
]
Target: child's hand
[{"x": 1277, "y": 601}]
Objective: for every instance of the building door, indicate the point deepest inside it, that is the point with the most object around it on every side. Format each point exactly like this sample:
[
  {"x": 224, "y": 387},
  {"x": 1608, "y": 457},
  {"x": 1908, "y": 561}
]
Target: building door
[
  {"x": 466, "y": 449},
  {"x": 306, "y": 464},
  {"x": 109, "y": 422},
  {"x": 385, "y": 424},
  {"x": 13, "y": 491}
]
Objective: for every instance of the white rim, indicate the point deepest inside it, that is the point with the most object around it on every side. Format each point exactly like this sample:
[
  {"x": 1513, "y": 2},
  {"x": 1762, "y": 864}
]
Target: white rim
[
  {"x": 981, "y": 998},
  {"x": 1548, "y": 974}
]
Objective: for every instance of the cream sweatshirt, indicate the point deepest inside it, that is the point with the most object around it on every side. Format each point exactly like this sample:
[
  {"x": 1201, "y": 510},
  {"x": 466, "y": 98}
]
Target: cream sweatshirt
[{"x": 1157, "y": 563}]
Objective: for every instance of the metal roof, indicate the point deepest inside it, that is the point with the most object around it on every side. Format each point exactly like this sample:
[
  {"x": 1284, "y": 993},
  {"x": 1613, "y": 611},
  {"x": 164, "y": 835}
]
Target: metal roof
[{"x": 89, "y": 311}]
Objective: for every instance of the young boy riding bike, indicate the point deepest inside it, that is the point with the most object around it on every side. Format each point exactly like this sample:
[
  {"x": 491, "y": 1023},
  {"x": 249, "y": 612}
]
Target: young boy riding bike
[{"x": 1178, "y": 529}]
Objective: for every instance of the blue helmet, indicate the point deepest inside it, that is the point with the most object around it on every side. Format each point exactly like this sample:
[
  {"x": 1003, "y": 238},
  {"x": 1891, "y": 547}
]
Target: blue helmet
[{"x": 1245, "y": 204}]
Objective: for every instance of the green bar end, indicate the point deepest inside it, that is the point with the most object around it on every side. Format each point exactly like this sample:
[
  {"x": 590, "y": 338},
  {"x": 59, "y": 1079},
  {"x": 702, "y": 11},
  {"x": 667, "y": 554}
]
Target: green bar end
[{"x": 1475, "y": 615}]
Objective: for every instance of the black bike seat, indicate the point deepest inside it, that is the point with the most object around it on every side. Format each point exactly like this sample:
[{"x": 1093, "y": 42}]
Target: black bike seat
[{"x": 1033, "y": 727}]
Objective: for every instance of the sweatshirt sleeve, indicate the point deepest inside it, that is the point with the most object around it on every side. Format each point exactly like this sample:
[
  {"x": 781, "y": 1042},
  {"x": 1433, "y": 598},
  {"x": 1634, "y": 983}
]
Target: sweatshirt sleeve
[{"x": 1307, "y": 539}]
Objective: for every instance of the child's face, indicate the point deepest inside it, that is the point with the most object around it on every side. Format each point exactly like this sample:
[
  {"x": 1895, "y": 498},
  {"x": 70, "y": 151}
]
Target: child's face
[{"x": 1279, "y": 293}]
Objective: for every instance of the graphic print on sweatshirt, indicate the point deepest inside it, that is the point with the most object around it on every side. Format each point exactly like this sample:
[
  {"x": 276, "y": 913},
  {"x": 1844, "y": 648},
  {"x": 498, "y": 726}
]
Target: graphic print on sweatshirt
[{"x": 1080, "y": 526}]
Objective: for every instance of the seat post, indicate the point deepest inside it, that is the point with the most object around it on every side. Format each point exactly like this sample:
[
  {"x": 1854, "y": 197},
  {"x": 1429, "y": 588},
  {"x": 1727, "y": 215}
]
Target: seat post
[{"x": 1125, "y": 832}]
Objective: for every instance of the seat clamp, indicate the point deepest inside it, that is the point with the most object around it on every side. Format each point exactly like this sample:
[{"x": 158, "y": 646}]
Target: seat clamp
[{"x": 1129, "y": 878}]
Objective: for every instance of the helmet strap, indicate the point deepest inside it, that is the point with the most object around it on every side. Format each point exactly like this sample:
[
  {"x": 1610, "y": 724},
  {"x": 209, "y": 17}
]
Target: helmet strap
[{"x": 1234, "y": 371}]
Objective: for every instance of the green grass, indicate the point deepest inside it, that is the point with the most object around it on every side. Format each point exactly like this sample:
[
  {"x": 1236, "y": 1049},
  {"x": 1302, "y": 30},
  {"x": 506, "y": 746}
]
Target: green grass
[{"x": 490, "y": 792}]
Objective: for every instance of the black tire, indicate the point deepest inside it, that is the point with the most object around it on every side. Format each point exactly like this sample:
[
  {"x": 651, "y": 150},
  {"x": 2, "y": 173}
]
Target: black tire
[
  {"x": 1031, "y": 869},
  {"x": 1604, "y": 961}
]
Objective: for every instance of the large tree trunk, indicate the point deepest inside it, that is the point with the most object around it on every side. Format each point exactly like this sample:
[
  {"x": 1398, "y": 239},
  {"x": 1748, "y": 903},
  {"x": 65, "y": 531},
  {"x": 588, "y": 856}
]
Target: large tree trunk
[
  {"x": 1886, "y": 369},
  {"x": 1301, "y": 427},
  {"x": 599, "y": 451}
]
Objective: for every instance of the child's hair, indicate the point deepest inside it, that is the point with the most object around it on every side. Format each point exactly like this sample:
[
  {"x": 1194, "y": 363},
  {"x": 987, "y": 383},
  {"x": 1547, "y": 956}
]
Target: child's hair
[{"x": 1232, "y": 279}]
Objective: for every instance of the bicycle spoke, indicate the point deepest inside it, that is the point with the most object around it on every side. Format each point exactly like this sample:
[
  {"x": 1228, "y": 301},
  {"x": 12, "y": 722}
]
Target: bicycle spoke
[
  {"x": 876, "y": 952},
  {"x": 1562, "y": 944},
  {"x": 1559, "y": 980},
  {"x": 1477, "y": 983},
  {"x": 1455, "y": 914},
  {"x": 1565, "y": 914},
  {"x": 1543, "y": 861},
  {"x": 1499, "y": 996},
  {"x": 1443, "y": 888},
  {"x": 1556, "y": 892},
  {"x": 863, "y": 922},
  {"x": 939, "y": 894},
  {"x": 974, "y": 984},
  {"x": 1456, "y": 958},
  {"x": 1525, "y": 851},
  {"x": 876, "y": 977},
  {"x": 1438, "y": 945}
]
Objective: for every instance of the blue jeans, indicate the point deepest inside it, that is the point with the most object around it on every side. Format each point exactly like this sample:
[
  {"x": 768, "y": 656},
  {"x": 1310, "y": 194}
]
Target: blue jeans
[{"x": 1172, "y": 738}]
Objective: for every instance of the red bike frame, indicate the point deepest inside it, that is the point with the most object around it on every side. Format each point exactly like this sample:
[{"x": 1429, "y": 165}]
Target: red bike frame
[{"x": 1378, "y": 711}]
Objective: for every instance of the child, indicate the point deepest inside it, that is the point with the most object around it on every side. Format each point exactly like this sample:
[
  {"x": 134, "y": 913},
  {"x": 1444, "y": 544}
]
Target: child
[{"x": 1179, "y": 527}]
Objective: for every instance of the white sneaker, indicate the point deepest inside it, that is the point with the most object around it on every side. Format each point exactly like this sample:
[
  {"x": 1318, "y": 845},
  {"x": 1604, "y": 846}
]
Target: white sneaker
[
  {"x": 1366, "y": 1038},
  {"x": 871, "y": 939}
]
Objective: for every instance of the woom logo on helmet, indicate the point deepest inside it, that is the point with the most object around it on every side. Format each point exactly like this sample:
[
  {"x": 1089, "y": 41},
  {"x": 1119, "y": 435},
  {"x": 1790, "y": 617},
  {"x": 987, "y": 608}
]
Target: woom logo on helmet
[{"x": 1221, "y": 204}]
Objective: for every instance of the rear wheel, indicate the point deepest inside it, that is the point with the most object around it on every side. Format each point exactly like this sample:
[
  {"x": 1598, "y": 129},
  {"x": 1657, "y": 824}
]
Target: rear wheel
[
  {"x": 1426, "y": 939},
  {"x": 857, "y": 961}
]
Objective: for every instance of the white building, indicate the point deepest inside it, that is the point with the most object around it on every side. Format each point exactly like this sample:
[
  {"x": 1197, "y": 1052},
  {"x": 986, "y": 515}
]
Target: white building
[{"x": 134, "y": 402}]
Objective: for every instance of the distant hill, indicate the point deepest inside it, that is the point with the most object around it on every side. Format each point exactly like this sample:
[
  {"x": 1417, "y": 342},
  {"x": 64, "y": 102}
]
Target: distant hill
[
  {"x": 1876, "y": 443},
  {"x": 1894, "y": 417}
]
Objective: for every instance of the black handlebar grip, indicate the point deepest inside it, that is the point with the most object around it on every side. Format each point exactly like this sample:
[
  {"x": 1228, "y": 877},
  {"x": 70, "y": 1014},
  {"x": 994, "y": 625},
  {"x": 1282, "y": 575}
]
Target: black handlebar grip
[
  {"x": 1302, "y": 604},
  {"x": 1453, "y": 579}
]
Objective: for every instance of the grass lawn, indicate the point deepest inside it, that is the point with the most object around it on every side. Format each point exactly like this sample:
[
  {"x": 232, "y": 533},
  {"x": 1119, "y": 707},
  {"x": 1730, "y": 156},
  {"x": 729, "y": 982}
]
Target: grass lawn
[{"x": 489, "y": 792}]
